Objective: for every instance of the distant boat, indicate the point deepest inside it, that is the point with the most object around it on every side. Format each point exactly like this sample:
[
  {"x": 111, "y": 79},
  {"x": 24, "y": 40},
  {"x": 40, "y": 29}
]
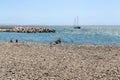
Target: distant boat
[
  {"x": 76, "y": 21},
  {"x": 77, "y": 27}
]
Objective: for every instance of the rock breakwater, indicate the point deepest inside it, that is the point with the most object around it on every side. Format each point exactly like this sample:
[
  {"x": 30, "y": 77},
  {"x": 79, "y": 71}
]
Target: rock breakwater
[{"x": 27, "y": 30}]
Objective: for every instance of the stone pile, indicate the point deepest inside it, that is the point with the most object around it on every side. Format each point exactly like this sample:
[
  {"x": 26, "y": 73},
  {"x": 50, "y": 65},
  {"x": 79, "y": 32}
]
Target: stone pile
[{"x": 28, "y": 30}]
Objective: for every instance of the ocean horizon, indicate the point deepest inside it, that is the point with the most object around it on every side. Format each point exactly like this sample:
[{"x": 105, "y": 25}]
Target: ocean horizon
[{"x": 87, "y": 35}]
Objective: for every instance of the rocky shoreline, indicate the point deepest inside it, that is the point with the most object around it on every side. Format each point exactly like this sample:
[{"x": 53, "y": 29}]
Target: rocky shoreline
[{"x": 27, "y": 30}]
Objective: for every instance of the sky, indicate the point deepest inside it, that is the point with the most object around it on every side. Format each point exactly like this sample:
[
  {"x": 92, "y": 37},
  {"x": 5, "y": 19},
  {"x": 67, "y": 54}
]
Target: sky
[{"x": 60, "y": 12}]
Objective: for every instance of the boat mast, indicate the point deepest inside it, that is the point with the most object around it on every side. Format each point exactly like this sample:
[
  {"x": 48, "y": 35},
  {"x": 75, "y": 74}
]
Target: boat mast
[
  {"x": 77, "y": 21},
  {"x": 74, "y": 23}
]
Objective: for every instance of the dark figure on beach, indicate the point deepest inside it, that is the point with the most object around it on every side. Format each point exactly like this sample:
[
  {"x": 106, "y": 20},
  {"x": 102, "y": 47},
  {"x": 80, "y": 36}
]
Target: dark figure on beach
[
  {"x": 16, "y": 41},
  {"x": 58, "y": 41},
  {"x": 11, "y": 41}
]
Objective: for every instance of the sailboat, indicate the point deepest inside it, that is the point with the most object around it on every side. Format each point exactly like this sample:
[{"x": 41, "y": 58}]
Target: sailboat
[{"x": 76, "y": 26}]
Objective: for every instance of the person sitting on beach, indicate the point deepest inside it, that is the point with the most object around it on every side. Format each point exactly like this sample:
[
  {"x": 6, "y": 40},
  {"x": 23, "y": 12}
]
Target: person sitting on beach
[
  {"x": 16, "y": 41},
  {"x": 58, "y": 41},
  {"x": 11, "y": 41}
]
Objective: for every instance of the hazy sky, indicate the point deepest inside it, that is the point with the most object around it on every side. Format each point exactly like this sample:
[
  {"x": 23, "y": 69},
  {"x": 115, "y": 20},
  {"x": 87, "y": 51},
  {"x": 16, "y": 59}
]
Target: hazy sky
[{"x": 60, "y": 12}]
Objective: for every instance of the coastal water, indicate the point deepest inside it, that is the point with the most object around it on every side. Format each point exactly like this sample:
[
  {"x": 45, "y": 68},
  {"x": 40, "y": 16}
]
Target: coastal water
[{"x": 87, "y": 35}]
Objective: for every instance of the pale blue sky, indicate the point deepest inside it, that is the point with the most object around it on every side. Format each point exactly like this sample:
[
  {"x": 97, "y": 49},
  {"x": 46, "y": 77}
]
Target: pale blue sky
[{"x": 60, "y": 12}]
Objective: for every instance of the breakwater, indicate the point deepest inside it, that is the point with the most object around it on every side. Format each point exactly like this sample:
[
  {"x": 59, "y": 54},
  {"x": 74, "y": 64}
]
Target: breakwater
[{"x": 27, "y": 30}]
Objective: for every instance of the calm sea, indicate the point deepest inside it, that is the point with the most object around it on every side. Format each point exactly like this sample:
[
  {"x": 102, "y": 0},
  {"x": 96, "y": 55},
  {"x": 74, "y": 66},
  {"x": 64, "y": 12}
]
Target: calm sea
[{"x": 87, "y": 35}]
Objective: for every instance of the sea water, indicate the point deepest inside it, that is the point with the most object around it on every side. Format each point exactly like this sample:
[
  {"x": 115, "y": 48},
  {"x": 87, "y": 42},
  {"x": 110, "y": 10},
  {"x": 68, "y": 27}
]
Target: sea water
[{"x": 87, "y": 35}]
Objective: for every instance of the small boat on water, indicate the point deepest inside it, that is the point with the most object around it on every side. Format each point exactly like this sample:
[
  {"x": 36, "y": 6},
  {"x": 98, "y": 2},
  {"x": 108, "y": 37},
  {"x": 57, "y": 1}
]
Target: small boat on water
[
  {"x": 76, "y": 21},
  {"x": 77, "y": 27}
]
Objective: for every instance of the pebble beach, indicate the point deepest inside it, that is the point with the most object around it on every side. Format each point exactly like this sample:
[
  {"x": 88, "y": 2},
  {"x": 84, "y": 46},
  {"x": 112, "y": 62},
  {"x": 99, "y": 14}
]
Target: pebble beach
[{"x": 28, "y": 61}]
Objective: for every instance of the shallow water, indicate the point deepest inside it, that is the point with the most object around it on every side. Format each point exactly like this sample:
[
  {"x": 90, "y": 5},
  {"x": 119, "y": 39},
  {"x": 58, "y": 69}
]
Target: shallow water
[{"x": 87, "y": 35}]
